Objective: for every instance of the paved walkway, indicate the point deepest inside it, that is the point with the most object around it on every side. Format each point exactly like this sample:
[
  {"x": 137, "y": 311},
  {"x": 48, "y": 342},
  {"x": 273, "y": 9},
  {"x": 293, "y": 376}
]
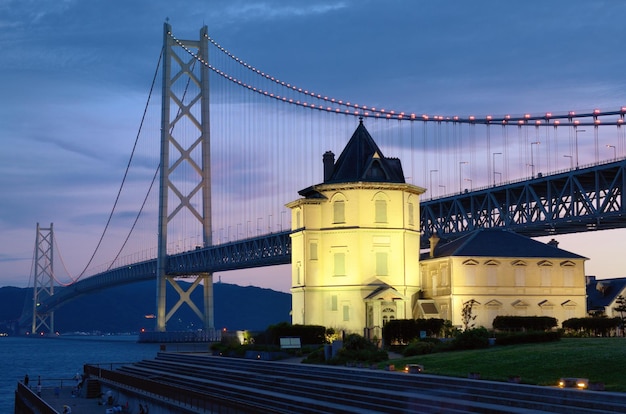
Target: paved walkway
[{"x": 58, "y": 397}]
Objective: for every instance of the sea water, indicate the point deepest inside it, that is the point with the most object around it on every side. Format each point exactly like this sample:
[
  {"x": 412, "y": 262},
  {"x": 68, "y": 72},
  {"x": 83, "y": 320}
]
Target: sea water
[{"x": 61, "y": 358}]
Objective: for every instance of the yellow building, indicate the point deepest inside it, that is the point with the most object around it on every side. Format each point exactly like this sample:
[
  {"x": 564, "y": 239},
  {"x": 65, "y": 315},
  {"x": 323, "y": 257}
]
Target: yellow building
[
  {"x": 506, "y": 273},
  {"x": 355, "y": 242},
  {"x": 356, "y": 256}
]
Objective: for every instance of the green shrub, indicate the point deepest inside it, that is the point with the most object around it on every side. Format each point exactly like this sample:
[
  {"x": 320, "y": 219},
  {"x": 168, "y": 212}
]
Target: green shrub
[
  {"x": 529, "y": 323},
  {"x": 474, "y": 338},
  {"x": 601, "y": 326},
  {"x": 403, "y": 331},
  {"x": 418, "y": 348},
  {"x": 358, "y": 349},
  {"x": 315, "y": 357},
  {"x": 308, "y": 334}
]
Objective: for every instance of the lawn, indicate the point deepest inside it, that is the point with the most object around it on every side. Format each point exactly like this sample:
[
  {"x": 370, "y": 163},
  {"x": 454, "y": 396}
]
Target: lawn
[{"x": 598, "y": 359}]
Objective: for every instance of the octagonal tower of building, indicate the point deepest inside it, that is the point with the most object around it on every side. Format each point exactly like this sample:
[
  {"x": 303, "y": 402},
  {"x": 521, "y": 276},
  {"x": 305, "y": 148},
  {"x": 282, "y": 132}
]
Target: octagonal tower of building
[{"x": 355, "y": 242}]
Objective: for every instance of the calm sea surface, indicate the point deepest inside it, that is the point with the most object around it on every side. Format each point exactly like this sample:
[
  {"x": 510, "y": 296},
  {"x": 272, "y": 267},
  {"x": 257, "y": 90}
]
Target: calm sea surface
[{"x": 61, "y": 357}]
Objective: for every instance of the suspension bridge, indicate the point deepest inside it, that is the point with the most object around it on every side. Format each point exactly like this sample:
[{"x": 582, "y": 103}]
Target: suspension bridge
[{"x": 229, "y": 145}]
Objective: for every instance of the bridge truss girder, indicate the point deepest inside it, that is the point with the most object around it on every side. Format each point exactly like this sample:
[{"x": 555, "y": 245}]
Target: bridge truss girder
[
  {"x": 270, "y": 250},
  {"x": 577, "y": 200}
]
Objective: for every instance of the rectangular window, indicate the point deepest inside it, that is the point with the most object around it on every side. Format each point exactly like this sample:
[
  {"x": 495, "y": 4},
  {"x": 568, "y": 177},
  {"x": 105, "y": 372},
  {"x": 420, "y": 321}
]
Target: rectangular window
[
  {"x": 381, "y": 264},
  {"x": 333, "y": 303},
  {"x": 381, "y": 211},
  {"x": 520, "y": 276},
  {"x": 313, "y": 250},
  {"x": 444, "y": 276},
  {"x": 339, "y": 212},
  {"x": 346, "y": 312},
  {"x": 340, "y": 264},
  {"x": 470, "y": 275},
  {"x": 546, "y": 276},
  {"x": 411, "y": 215},
  {"x": 492, "y": 276},
  {"x": 568, "y": 277}
]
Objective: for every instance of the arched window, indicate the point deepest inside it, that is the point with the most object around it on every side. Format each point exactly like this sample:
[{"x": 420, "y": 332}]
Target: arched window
[
  {"x": 411, "y": 211},
  {"x": 388, "y": 314},
  {"x": 339, "y": 212},
  {"x": 381, "y": 211},
  {"x": 380, "y": 208}
]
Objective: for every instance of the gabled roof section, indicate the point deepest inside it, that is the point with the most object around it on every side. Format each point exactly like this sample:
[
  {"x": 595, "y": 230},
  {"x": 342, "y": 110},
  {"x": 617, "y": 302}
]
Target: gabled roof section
[
  {"x": 500, "y": 243},
  {"x": 602, "y": 292},
  {"x": 362, "y": 160},
  {"x": 386, "y": 293}
]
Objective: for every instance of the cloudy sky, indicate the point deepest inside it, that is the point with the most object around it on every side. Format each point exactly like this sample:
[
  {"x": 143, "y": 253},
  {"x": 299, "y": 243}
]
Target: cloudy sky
[{"x": 74, "y": 76}]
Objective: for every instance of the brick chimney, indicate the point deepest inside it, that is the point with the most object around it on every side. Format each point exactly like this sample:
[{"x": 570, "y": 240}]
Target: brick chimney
[
  {"x": 553, "y": 243},
  {"x": 329, "y": 165},
  {"x": 433, "y": 243}
]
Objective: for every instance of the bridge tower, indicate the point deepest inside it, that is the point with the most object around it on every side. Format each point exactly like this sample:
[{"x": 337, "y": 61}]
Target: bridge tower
[
  {"x": 185, "y": 108},
  {"x": 43, "y": 285}
]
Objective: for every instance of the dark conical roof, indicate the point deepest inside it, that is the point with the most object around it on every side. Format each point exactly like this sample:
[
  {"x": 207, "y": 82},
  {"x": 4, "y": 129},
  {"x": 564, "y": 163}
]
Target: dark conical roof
[{"x": 362, "y": 160}]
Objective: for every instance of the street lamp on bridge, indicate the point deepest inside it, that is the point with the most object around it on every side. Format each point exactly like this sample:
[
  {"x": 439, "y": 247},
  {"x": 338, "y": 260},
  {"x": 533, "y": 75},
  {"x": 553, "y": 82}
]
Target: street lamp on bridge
[
  {"x": 532, "y": 159},
  {"x": 614, "y": 151},
  {"x": 430, "y": 188},
  {"x": 571, "y": 161},
  {"x": 494, "y": 167},
  {"x": 471, "y": 183},
  {"x": 576, "y": 143},
  {"x": 461, "y": 175}
]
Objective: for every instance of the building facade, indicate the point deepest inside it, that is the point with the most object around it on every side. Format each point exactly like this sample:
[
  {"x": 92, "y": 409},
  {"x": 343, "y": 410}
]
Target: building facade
[
  {"x": 506, "y": 274},
  {"x": 354, "y": 242},
  {"x": 356, "y": 256}
]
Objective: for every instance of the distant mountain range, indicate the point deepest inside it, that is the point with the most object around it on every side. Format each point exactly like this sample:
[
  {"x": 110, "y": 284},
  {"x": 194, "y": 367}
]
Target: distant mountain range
[{"x": 124, "y": 309}]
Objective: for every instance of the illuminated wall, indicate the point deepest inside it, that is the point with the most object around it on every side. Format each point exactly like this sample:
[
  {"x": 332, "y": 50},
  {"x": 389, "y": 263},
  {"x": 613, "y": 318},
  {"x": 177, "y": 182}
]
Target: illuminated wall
[
  {"x": 505, "y": 286},
  {"x": 355, "y": 255}
]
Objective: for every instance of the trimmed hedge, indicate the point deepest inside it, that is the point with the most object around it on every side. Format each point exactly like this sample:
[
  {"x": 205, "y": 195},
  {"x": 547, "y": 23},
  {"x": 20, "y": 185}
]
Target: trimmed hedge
[
  {"x": 403, "y": 331},
  {"x": 308, "y": 334},
  {"x": 527, "y": 323},
  {"x": 595, "y": 326},
  {"x": 475, "y": 338}
]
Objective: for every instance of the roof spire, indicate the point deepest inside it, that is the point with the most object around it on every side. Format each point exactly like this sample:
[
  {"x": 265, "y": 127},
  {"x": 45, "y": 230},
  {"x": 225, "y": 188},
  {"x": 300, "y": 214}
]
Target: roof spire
[{"x": 361, "y": 120}]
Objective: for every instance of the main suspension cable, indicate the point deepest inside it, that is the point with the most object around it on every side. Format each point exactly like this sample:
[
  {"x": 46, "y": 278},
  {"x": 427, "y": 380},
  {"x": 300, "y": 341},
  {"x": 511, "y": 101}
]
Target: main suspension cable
[{"x": 145, "y": 111}]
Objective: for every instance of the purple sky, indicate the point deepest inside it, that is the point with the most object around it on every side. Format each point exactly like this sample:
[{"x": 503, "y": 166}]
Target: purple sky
[{"x": 74, "y": 76}]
